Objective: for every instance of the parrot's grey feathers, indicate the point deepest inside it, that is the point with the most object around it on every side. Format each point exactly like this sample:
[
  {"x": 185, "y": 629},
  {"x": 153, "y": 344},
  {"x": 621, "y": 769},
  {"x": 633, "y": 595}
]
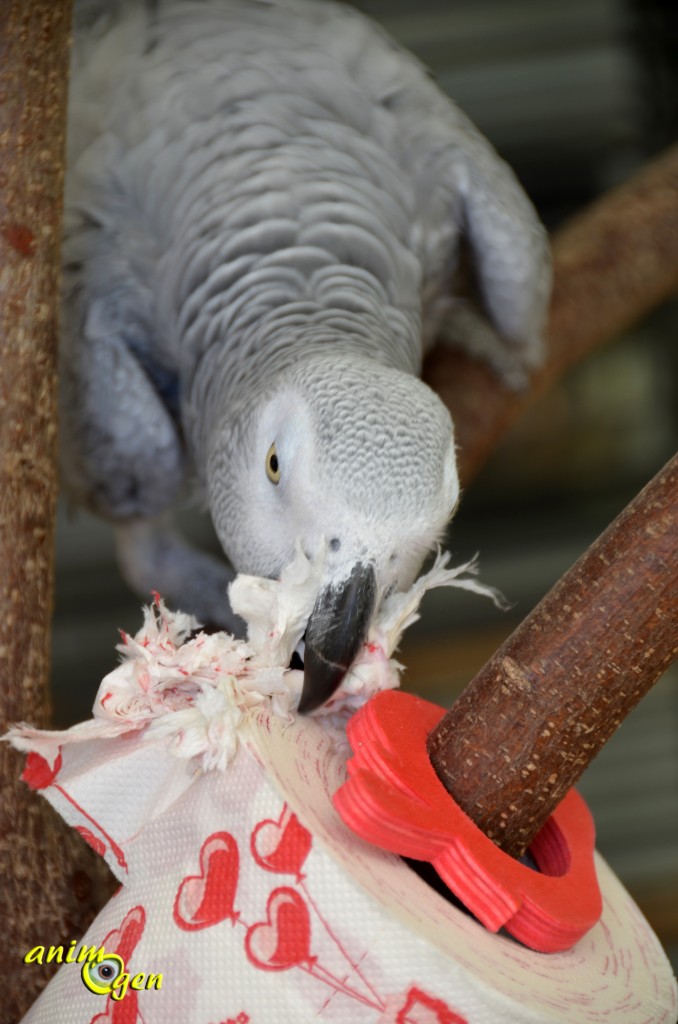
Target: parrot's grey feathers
[
  {"x": 121, "y": 448},
  {"x": 264, "y": 210},
  {"x": 510, "y": 250},
  {"x": 150, "y": 550}
]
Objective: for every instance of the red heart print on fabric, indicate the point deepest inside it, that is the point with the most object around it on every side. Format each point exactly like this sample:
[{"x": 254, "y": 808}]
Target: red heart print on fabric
[
  {"x": 208, "y": 898},
  {"x": 97, "y": 844},
  {"x": 420, "y": 1008},
  {"x": 283, "y": 940},
  {"x": 124, "y": 1011},
  {"x": 283, "y": 845},
  {"x": 39, "y": 773},
  {"x": 123, "y": 941}
]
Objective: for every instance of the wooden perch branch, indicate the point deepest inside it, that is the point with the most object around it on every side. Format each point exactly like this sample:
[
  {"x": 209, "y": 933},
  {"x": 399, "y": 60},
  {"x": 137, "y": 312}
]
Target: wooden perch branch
[
  {"x": 613, "y": 263},
  {"x": 541, "y": 709},
  {"x": 50, "y": 878},
  {"x": 525, "y": 729}
]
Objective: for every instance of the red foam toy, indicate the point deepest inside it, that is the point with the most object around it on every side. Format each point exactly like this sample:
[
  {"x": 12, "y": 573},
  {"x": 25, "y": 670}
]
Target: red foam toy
[{"x": 394, "y": 799}]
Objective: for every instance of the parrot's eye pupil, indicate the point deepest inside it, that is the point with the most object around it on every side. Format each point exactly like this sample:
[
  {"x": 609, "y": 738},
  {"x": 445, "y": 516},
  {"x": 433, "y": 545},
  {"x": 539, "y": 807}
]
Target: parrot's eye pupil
[{"x": 272, "y": 465}]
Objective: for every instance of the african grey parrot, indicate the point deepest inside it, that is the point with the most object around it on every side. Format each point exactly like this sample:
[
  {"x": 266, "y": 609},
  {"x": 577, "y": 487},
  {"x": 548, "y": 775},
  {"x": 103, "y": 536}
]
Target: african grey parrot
[{"x": 264, "y": 209}]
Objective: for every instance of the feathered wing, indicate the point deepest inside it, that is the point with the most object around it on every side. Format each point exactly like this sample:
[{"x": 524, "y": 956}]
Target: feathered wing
[
  {"x": 463, "y": 189},
  {"x": 509, "y": 247}
]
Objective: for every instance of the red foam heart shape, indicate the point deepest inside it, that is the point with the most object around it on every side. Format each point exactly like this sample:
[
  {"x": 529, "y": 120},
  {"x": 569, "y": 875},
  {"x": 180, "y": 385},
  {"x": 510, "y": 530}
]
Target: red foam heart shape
[
  {"x": 283, "y": 940},
  {"x": 208, "y": 898},
  {"x": 283, "y": 845}
]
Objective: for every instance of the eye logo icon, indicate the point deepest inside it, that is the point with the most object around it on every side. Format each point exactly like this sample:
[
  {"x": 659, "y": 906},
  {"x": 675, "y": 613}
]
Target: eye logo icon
[
  {"x": 100, "y": 976},
  {"x": 106, "y": 976}
]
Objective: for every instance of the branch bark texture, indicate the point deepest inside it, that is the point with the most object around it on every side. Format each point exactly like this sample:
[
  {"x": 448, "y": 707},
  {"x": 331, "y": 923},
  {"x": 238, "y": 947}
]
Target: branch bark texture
[
  {"x": 50, "y": 879},
  {"x": 531, "y": 721}
]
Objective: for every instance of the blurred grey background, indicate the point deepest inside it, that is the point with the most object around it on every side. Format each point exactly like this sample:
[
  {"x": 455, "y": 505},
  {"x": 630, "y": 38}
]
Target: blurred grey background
[{"x": 575, "y": 96}]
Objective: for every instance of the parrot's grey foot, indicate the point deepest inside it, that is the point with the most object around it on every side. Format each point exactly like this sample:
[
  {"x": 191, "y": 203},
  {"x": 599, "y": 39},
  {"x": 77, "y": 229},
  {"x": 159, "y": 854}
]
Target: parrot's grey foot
[
  {"x": 153, "y": 557},
  {"x": 466, "y": 328}
]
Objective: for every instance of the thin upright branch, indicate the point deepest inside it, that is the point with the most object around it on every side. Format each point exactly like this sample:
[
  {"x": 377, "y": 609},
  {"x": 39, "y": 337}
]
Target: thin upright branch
[{"x": 51, "y": 882}]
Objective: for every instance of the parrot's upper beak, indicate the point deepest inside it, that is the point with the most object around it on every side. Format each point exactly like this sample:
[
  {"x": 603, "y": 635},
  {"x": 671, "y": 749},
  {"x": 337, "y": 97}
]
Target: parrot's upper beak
[{"x": 336, "y": 630}]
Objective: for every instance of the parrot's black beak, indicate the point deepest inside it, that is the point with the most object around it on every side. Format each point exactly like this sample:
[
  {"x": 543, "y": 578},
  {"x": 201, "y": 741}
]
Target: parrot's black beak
[{"x": 336, "y": 630}]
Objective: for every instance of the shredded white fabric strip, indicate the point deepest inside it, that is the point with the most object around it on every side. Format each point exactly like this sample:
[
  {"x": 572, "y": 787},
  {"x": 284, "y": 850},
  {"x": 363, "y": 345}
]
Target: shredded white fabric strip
[{"x": 193, "y": 691}]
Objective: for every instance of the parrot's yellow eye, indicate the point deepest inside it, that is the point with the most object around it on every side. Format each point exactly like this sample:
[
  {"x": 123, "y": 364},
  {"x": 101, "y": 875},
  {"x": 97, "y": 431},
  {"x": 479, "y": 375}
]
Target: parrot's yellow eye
[{"x": 272, "y": 465}]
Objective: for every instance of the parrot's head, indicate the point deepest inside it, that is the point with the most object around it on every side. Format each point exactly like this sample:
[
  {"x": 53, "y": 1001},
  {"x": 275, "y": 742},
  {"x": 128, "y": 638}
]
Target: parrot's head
[{"x": 352, "y": 460}]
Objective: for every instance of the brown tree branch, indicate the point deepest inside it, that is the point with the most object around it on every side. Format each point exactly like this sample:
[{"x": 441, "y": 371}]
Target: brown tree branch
[
  {"x": 541, "y": 709},
  {"x": 52, "y": 883},
  {"x": 613, "y": 263},
  {"x": 534, "y": 717}
]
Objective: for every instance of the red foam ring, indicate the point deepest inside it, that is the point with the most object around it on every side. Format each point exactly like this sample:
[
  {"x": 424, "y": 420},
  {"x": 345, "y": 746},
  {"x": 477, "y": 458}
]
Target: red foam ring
[
  {"x": 550, "y": 850},
  {"x": 394, "y": 799}
]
